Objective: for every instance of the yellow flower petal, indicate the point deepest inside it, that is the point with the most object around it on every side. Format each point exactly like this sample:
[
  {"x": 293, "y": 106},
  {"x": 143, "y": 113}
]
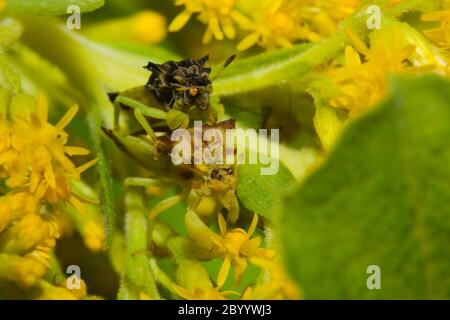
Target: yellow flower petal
[
  {"x": 357, "y": 42},
  {"x": 248, "y": 41},
  {"x": 50, "y": 176},
  {"x": 182, "y": 292},
  {"x": 253, "y": 225},
  {"x": 352, "y": 58},
  {"x": 223, "y": 272},
  {"x": 85, "y": 166},
  {"x": 148, "y": 26},
  {"x": 222, "y": 224},
  {"x": 229, "y": 30},
  {"x": 65, "y": 120},
  {"x": 328, "y": 125},
  {"x": 76, "y": 151},
  {"x": 180, "y": 21},
  {"x": 42, "y": 109}
]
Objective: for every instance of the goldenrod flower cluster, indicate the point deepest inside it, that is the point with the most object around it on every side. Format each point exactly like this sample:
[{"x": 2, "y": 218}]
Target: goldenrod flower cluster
[
  {"x": 35, "y": 173},
  {"x": 236, "y": 248},
  {"x": 269, "y": 24},
  {"x": 217, "y": 240},
  {"x": 359, "y": 79}
]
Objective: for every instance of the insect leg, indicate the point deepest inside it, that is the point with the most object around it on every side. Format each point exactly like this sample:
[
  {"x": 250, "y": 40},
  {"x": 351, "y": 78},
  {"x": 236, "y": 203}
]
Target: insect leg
[
  {"x": 193, "y": 199},
  {"x": 164, "y": 205},
  {"x": 144, "y": 109},
  {"x": 171, "y": 102},
  {"x": 231, "y": 203},
  {"x": 116, "y": 114},
  {"x": 144, "y": 123},
  {"x": 177, "y": 119},
  {"x": 143, "y": 182}
]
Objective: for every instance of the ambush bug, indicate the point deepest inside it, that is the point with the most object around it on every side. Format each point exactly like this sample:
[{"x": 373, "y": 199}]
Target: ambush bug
[
  {"x": 207, "y": 188},
  {"x": 175, "y": 93}
]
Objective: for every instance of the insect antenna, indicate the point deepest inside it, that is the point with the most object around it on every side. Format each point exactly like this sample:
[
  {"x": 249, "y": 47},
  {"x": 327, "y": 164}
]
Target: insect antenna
[
  {"x": 153, "y": 67},
  {"x": 112, "y": 96},
  {"x": 203, "y": 60},
  {"x": 225, "y": 64}
]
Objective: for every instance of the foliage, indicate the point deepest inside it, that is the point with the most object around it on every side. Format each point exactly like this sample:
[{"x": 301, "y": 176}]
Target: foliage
[{"x": 363, "y": 116}]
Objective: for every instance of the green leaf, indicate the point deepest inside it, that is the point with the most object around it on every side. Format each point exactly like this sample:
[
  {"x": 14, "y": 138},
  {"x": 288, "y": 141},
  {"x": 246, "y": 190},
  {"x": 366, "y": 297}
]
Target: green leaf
[
  {"x": 10, "y": 31},
  {"x": 262, "y": 193},
  {"x": 271, "y": 68},
  {"x": 140, "y": 150},
  {"x": 107, "y": 199},
  {"x": 246, "y": 71},
  {"x": 114, "y": 69},
  {"x": 51, "y": 7},
  {"x": 381, "y": 198}
]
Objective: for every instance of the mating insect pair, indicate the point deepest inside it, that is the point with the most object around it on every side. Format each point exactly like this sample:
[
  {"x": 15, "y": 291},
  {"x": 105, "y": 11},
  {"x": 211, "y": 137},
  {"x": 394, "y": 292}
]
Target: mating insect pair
[{"x": 176, "y": 94}]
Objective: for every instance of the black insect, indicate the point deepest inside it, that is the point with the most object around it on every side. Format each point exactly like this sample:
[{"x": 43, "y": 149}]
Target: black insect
[{"x": 185, "y": 83}]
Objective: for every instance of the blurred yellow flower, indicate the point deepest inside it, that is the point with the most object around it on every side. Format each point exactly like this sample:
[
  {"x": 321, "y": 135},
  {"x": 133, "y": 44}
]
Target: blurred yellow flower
[
  {"x": 363, "y": 83},
  {"x": 275, "y": 284},
  {"x": 267, "y": 23},
  {"x": 14, "y": 206},
  {"x": 26, "y": 238},
  {"x": 94, "y": 235},
  {"x": 25, "y": 234},
  {"x": 146, "y": 26},
  {"x": 281, "y": 23},
  {"x": 440, "y": 35},
  {"x": 22, "y": 270},
  {"x": 194, "y": 283},
  {"x": 218, "y": 15},
  {"x": 34, "y": 154},
  {"x": 47, "y": 291}
]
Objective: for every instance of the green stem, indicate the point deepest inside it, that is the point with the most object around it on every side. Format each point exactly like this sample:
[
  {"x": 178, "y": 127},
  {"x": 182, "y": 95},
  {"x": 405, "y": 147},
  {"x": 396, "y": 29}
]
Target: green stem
[
  {"x": 161, "y": 276},
  {"x": 137, "y": 264}
]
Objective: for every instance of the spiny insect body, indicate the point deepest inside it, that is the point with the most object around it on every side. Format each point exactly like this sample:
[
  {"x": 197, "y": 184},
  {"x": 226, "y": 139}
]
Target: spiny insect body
[
  {"x": 177, "y": 92},
  {"x": 176, "y": 88}
]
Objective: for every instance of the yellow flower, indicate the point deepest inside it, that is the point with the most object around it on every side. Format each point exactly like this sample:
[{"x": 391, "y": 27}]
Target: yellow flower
[
  {"x": 22, "y": 270},
  {"x": 79, "y": 292},
  {"x": 281, "y": 23},
  {"x": 14, "y": 206},
  {"x": 34, "y": 155},
  {"x": 41, "y": 253},
  {"x": 194, "y": 283},
  {"x": 268, "y": 23},
  {"x": 147, "y": 26},
  {"x": 46, "y": 291},
  {"x": 440, "y": 35},
  {"x": 26, "y": 239},
  {"x": 235, "y": 246},
  {"x": 25, "y": 234},
  {"x": 363, "y": 83},
  {"x": 218, "y": 15},
  {"x": 273, "y": 24},
  {"x": 275, "y": 284}
]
